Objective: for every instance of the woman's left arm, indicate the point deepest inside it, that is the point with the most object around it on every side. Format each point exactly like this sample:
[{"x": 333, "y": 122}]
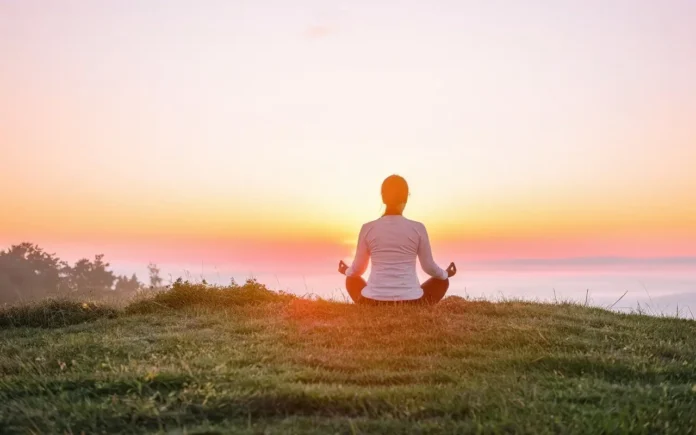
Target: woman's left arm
[{"x": 425, "y": 256}]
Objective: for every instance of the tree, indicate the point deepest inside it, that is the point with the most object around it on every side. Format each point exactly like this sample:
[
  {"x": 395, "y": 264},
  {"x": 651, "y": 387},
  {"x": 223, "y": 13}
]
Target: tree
[
  {"x": 155, "y": 279},
  {"x": 124, "y": 285},
  {"x": 28, "y": 272},
  {"x": 91, "y": 276}
]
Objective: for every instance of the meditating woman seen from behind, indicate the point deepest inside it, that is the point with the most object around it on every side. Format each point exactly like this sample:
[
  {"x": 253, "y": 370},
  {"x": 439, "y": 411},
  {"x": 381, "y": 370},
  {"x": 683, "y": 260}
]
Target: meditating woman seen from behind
[{"x": 393, "y": 243}]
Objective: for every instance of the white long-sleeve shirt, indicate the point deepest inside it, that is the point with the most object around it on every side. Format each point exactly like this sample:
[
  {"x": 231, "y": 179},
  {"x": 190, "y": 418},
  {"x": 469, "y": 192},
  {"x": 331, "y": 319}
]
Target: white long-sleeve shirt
[{"x": 393, "y": 243}]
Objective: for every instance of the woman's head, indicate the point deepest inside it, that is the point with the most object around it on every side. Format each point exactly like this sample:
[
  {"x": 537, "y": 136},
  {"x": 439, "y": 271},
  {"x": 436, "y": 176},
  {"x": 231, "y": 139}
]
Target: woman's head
[{"x": 395, "y": 194}]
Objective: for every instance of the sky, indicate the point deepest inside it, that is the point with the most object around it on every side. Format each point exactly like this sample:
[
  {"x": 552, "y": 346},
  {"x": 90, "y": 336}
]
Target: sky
[{"x": 255, "y": 134}]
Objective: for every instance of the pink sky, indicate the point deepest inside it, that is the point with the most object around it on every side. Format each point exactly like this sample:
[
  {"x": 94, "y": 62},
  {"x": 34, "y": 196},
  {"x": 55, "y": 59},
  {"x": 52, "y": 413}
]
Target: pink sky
[{"x": 257, "y": 133}]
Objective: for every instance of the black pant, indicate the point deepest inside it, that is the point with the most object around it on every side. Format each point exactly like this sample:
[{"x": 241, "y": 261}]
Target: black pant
[{"x": 433, "y": 291}]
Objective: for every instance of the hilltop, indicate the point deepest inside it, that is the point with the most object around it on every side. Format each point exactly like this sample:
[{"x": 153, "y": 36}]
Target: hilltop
[{"x": 197, "y": 359}]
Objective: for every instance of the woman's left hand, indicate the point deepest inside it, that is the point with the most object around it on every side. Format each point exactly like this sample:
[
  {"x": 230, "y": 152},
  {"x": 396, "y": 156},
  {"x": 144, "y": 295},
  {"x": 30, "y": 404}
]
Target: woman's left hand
[{"x": 342, "y": 267}]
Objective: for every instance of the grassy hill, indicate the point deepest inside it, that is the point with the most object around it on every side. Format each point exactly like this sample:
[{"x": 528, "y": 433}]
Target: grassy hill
[{"x": 246, "y": 360}]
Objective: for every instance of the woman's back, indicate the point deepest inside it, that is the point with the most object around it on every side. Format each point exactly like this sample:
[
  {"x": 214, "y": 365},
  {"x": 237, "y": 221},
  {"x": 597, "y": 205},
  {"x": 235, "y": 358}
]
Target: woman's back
[{"x": 393, "y": 243}]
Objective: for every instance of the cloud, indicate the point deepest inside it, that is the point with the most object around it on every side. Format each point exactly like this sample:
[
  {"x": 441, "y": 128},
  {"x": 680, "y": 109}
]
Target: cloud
[{"x": 318, "y": 31}]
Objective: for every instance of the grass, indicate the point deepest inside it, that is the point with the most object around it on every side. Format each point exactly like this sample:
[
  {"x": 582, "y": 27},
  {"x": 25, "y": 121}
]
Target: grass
[
  {"x": 54, "y": 313},
  {"x": 198, "y": 359}
]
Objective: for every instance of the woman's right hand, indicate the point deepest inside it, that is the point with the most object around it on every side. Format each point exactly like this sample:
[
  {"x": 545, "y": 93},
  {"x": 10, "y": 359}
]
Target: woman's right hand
[
  {"x": 451, "y": 270},
  {"x": 342, "y": 267}
]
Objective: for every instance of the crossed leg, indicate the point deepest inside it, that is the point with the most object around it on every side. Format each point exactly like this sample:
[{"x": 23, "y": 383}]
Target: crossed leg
[{"x": 433, "y": 291}]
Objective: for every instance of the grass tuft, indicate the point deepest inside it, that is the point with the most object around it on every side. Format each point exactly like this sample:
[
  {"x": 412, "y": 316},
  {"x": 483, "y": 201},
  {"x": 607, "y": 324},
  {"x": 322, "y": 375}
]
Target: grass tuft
[
  {"x": 53, "y": 313},
  {"x": 183, "y": 294}
]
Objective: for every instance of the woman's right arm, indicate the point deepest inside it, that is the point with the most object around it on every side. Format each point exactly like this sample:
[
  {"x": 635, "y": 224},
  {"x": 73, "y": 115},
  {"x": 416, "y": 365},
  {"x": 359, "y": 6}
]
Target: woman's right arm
[
  {"x": 362, "y": 255},
  {"x": 425, "y": 256}
]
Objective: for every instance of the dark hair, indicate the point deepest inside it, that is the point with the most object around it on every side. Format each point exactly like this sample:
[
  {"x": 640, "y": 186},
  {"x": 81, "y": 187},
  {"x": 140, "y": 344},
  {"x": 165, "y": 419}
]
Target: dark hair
[{"x": 394, "y": 192}]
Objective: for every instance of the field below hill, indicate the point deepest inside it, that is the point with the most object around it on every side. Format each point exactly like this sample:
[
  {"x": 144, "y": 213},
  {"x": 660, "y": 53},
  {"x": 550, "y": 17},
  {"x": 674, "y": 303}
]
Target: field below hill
[{"x": 197, "y": 359}]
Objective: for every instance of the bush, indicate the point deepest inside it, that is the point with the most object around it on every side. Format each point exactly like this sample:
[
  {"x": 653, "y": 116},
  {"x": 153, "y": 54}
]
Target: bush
[
  {"x": 184, "y": 294},
  {"x": 53, "y": 313}
]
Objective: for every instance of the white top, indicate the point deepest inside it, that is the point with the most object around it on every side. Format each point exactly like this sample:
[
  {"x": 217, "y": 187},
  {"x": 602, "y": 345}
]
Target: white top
[{"x": 394, "y": 242}]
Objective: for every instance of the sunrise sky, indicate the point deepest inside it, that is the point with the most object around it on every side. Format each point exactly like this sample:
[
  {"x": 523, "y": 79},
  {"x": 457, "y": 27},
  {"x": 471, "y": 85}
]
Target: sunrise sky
[{"x": 258, "y": 132}]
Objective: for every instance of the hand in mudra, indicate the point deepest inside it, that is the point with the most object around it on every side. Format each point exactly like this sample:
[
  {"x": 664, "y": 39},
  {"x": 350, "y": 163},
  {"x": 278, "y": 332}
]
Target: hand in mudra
[
  {"x": 451, "y": 270},
  {"x": 342, "y": 267}
]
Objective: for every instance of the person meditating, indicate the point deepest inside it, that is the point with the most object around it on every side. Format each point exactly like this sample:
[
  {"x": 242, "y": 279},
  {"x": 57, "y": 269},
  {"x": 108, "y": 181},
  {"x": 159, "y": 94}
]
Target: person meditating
[{"x": 393, "y": 243}]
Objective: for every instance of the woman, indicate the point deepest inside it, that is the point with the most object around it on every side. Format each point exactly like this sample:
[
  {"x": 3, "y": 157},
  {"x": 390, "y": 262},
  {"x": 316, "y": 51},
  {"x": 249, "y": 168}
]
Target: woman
[{"x": 393, "y": 242}]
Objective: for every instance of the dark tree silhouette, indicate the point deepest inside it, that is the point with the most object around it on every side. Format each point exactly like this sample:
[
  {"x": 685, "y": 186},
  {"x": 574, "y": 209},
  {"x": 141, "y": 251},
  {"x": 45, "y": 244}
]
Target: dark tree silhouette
[
  {"x": 126, "y": 286},
  {"x": 91, "y": 276},
  {"x": 28, "y": 272}
]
